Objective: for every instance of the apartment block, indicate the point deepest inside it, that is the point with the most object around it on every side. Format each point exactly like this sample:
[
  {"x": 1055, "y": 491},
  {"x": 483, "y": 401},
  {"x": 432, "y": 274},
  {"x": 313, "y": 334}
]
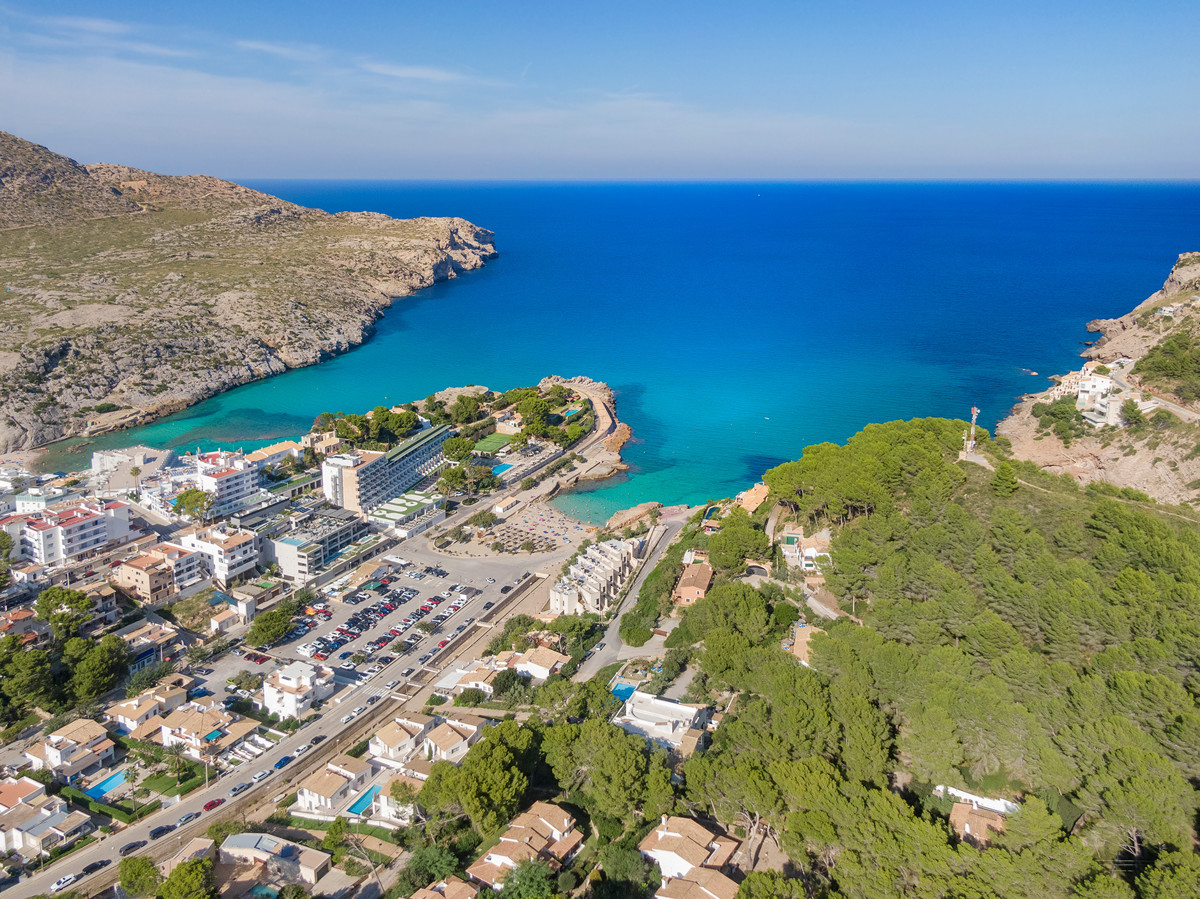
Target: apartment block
[
  {"x": 56, "y": 537},
  {"x": 360, "y": 480},
  {"x": 225, "y": 553},
  {"x": 160, "y": 572},
  {"x": 302, "y": 553},
  {"x": 229, "y": 477},
  {"x": 594, "y": 580}
]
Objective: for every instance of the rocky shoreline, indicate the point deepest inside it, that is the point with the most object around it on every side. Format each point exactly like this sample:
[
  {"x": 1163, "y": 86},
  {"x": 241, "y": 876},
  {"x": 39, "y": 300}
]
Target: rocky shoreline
[
  {"x": 1168, "y": 470},
  {"x": 133, "y": 295}
]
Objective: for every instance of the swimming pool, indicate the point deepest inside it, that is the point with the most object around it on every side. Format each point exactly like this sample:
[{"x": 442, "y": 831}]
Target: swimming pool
[
  {"x": 363, "y": 802},
  {"x": 501, "y": 468},
  {"x": 570, "y": 412},
  {"x": 262, "y": 891},
  {"x": 623, "y": 691},
  {"x": 108, "y": 784}
]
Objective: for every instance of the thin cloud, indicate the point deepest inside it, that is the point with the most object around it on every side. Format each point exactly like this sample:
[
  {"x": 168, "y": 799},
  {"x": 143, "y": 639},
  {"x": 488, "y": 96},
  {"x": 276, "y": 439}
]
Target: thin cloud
[
  {"x": 86, "y": 24},
  {"x": 414, "y": 73},
  {"x": 296, "y": 53}
]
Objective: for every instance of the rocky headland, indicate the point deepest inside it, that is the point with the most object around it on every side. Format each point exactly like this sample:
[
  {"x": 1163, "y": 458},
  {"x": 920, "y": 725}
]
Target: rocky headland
[
  {"x": 129, "y": 295},
  {"x": 1162, "y": 456}
]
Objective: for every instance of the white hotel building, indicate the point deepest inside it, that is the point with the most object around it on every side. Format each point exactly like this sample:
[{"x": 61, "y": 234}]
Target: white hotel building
[
  {"x": 230, "y": 478},
  {"x": 57, "y": 537},
  {"x": 227, "y": 553}
]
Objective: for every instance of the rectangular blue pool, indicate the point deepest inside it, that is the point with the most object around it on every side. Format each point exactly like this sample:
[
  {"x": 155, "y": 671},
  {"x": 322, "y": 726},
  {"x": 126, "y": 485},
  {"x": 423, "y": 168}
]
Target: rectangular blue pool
[
  {"x": 501, "y": 468},
  {"x": 623, "y": 691},
  {"x": 107, "y": 785},
  {"x": 363, "y": 802}
]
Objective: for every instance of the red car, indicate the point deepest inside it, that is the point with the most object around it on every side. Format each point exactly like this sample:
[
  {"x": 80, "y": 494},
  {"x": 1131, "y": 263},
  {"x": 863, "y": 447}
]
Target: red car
[
  {"x": 212, "y": 804},
  {"x": 443, "y": 643}
]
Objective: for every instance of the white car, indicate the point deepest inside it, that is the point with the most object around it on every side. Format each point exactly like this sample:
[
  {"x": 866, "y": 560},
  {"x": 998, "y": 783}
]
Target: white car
[
  {"x": 391, "y": 685},
  {"x": 261, "y": 775},
  {"x": 359, "y": 710},
  {"x": 300, "y": 750},
  {"x": 62, "y": 883},
  {"x": 491, "y": 580},
  {"x": 348, "y": 718}
]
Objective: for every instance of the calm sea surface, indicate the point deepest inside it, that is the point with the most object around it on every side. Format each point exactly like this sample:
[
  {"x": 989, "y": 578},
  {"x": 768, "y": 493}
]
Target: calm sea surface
[{"x": 736, "y": 322}]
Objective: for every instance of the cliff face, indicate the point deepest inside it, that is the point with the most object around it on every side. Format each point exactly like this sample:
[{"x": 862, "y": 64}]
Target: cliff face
[
  {"x": 1134, "y": 333},
  {"x": 1159, "y": 458},
  {"x": 148, "y": 293}
]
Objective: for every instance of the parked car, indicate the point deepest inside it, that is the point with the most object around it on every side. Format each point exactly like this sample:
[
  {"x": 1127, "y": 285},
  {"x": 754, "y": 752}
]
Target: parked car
[
  {"x": 300, "y": 750},
  {"x": 284, "y": 762},
  {"x": 319, "y": 738},
  {"x": 372, "y": 700},
  {"x": 407, "y": 672},
  {"x": 261, "y": 775},
  {"x": 161, "y": 831},
  {"x": 346, "y": 719},
  {"x": 238, "y": 788},
  {"x": 62, "y": 883},
  {"x": 131, "y": 847},
  {"x": 95, "y": 866},
  {"x": 391, "y": 685},
  {"x": 187, "y": 819}
]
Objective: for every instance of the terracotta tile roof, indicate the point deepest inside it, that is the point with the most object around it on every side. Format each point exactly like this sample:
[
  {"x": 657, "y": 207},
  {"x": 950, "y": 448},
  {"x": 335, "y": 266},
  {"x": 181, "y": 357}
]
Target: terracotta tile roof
[
  {"x": 696, "y": 576},
  {"x": 975, "y": 823},
  {"x": 12, "y": 791},
  {"x": 699, "y": 883}
]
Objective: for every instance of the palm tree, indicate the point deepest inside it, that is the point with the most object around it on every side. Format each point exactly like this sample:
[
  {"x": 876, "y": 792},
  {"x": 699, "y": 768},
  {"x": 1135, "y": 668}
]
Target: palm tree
[
  {"x": 132, "y": 776},
  {"x": 175, "y": 760},
  {"x": 134, "y": 472}
]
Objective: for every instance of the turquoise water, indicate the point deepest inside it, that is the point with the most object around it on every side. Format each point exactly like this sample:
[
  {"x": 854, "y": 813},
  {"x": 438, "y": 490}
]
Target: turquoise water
[
  {"x": 500, "y": 469},
  {"x": 623, "y": 691},
  {"x": 737, "y": 323},
  {"x": 262, "y": 891},
  {"x": 570, "y": 412},
  {"x": 107, "y": 785},
  {"x": 363, "y": 802}
]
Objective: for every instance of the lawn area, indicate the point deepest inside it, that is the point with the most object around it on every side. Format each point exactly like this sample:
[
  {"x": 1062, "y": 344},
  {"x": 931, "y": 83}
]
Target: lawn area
[
  {"x": 493, "y": 442},
  {"x": 160, "y": 783},
  {"x": 169, "y": 785}
]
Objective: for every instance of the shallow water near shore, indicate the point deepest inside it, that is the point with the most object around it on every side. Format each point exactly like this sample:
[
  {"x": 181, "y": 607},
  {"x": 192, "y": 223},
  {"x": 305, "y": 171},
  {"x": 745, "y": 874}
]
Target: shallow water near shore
[{"x": 737, "y": 323}]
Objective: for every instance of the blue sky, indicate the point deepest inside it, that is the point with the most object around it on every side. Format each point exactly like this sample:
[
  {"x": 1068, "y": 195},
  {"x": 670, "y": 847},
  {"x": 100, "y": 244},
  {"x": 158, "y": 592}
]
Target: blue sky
[{"x": 698, "y": 90}]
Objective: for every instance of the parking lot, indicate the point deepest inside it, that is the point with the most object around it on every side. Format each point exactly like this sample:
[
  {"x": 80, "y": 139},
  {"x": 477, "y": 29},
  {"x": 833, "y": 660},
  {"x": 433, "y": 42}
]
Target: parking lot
[{"x": 449, "y": 593}]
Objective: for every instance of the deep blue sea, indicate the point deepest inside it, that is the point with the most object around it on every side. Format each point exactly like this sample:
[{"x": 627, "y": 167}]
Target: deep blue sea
[{"x": 737, "y": 323}]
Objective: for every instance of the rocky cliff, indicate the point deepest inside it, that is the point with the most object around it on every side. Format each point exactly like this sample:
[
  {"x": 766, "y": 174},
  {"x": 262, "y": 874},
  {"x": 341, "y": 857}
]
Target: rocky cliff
[
  {"x": 1160, "y": 457},
  {"x": 128, "y": 295}
]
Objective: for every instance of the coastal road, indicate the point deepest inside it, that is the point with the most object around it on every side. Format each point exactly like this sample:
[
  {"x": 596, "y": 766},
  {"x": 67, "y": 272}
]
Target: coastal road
[
  {"x": 1185, "y": 414},
  {"x": 668, "y": 529}
]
